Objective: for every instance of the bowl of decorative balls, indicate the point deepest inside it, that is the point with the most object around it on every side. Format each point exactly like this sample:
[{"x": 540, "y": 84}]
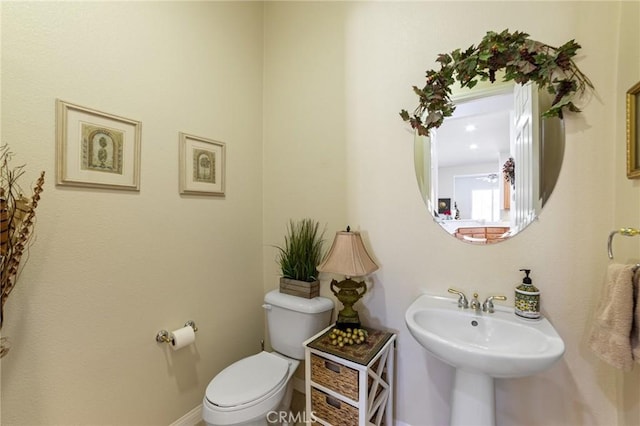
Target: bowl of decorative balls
[{"x": 347, "y": 337}]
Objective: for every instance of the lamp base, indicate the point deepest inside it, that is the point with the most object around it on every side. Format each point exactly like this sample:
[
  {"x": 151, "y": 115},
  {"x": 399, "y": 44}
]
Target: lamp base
[
  {"x": 348, "y": 322},
  {"x": 348, "y": 292}
]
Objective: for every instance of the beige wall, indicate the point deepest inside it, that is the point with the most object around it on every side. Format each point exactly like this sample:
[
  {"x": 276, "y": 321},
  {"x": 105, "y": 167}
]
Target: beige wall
[
  {"x": 332, "y": 147},
  {"x": 371, "y": 55},
  {"x": 305, "y": 142},
  {"x": 110, "y": 269},
  {"x": 627, "y": 192}
]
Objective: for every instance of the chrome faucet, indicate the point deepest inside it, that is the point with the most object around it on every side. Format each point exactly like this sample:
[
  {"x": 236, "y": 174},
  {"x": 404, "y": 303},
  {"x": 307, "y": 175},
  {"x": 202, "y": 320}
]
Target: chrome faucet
[
  {"x": 475, "y": 303},
  {"x": 462, "y": 299},
  {"x": 487, "y": 306}
]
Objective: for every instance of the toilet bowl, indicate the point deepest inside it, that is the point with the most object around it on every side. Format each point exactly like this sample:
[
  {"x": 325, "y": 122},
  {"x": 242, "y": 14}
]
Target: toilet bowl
[
  {"x": 245, "y": 392},
  {"x": 256, "y": 390}
]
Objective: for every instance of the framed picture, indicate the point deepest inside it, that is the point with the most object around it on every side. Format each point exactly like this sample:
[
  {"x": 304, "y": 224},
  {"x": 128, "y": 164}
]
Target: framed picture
[
  {"x": 444, "y": 206},
  {"x": 202, "y": 165},
  {"x": 633, "y": 135},
  {"x": 95, "y": 149}
]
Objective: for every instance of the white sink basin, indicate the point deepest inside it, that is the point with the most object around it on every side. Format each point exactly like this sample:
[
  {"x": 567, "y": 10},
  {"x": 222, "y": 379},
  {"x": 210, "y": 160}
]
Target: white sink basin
[
  {"x": 481, "y": 346},
  {"x": 499, "y": 344}
]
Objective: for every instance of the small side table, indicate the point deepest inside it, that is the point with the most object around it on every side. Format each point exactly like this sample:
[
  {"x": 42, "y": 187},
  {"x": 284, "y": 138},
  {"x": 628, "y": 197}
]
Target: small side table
[{"x": 352, "y": 385}]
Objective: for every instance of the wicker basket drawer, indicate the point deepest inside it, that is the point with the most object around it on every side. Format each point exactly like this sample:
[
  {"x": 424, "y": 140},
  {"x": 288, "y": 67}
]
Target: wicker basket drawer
[
  {"x": 334, "y": 376},
  {"x": 332, "y": 410}
]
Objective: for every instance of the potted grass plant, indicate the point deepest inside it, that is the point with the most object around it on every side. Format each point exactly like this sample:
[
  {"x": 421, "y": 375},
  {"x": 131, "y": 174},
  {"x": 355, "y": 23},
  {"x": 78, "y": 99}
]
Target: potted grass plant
[{"x": 299, "y": 257}]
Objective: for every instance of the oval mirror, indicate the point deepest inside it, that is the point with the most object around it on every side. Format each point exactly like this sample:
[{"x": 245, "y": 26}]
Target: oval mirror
[{"x": 488, "y": 171}]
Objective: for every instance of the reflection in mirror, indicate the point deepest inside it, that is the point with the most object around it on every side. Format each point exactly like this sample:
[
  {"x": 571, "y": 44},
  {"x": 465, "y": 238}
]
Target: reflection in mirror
[{"x": 487, "y": 172}]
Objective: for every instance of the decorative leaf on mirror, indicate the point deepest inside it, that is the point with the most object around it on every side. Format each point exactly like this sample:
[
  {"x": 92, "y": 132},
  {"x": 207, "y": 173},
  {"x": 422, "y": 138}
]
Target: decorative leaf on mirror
[{"x": 522, "y": 59}]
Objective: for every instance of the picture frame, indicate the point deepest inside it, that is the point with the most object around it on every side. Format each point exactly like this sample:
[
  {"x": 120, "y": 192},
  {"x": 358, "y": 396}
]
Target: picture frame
[
  {"x": 202, "y": 165},
  {"x": 633, "y": 135},
  {"x": 96, "y": 149},
  {"x": 444, "y": 206}
]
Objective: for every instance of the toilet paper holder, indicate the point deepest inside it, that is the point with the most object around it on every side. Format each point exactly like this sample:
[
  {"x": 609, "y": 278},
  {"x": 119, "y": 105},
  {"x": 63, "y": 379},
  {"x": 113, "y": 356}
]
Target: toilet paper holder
[{"x": 164, "y": 336}]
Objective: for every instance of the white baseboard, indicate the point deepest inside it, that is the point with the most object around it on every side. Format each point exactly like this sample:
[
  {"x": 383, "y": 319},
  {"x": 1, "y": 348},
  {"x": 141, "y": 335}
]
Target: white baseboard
[
  {"x": 192, "y": 418},
  {"x": 399, "y": 423}
]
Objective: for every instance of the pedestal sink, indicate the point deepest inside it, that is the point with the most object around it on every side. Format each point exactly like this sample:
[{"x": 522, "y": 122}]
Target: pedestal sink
[{"x": 481, "y": 346}]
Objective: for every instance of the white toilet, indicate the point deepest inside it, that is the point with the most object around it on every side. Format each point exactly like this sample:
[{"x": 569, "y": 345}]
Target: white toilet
[{"x": 250, "y": 391}]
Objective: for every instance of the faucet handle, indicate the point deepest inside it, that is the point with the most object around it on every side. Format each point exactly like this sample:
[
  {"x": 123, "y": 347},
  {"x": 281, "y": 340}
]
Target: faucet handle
[
  {"x": 475, "y": 303},
  {"x": 487, "y": 306},
  {"x": 462, "y": 299}
]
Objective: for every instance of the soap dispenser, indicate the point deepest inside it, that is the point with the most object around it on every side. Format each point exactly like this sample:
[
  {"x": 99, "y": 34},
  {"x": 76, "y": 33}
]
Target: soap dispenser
[{"x": 527, "y": 298}]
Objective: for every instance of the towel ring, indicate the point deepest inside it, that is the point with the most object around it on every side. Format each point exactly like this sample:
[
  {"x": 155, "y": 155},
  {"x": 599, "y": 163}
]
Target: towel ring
[{"x": 627, "y": 232}]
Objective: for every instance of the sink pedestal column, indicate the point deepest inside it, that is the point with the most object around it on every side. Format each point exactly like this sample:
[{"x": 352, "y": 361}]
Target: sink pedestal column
[{"x": 473, "y": 400}]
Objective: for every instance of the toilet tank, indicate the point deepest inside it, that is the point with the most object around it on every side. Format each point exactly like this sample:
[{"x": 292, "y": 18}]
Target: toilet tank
[{"x": 291, "y": 320}]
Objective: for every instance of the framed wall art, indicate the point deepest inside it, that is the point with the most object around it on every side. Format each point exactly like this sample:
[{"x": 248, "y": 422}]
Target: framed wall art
[
  {"x": 202, "y": 165},
  {"x": 633, "y": 135},
  {"x": 444, "y": 206},
  {"x": 96, "y": 149}
]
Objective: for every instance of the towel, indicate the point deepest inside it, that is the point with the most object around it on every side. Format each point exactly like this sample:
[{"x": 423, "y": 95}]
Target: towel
[{"x": 610, "y": 336}]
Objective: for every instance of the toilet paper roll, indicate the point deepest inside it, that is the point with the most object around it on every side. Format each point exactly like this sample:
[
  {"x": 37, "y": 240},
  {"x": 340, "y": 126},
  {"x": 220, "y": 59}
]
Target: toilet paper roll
[{"x": 182, "y": 337}]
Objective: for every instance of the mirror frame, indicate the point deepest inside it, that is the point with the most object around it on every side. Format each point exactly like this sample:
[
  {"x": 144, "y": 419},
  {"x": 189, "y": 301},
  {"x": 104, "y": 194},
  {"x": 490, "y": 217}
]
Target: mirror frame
[{"x": 633, "y": 138}]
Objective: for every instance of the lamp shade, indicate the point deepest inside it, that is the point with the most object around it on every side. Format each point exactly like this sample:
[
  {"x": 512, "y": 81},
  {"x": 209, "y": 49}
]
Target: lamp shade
[{"x": 348, "y": 256}]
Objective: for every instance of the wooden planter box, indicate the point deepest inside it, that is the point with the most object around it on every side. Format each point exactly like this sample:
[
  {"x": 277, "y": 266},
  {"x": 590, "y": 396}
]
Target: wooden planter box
[{"x": 300, "y": 288}]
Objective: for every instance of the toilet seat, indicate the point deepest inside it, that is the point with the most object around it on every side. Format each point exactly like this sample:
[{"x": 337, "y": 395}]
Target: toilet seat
[{"x": 265, "y": 372}]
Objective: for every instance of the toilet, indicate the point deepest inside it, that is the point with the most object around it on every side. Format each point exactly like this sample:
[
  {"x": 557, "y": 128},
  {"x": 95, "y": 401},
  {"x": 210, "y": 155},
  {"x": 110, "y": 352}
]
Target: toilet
[{"x": 257, "y": 388}]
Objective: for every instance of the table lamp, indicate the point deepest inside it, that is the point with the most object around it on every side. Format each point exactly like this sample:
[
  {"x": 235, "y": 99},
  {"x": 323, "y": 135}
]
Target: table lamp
[{"x": 348, "y": 257}]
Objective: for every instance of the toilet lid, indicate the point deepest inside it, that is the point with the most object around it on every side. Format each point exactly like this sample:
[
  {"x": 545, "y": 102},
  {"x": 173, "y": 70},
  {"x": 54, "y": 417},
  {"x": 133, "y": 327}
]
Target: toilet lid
[{"x": 247, "y": 380}]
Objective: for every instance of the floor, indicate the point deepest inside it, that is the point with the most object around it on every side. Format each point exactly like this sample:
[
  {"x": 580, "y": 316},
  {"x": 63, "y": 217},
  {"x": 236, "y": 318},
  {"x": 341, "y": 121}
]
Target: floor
[{"x": 298, "y": 405}]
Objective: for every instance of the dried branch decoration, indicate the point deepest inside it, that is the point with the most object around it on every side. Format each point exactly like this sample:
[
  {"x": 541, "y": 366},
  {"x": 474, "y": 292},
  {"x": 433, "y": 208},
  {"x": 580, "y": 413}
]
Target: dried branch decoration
[
  {"x": 17, "y": 219},
  {"x": 522, "y": 59}
]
